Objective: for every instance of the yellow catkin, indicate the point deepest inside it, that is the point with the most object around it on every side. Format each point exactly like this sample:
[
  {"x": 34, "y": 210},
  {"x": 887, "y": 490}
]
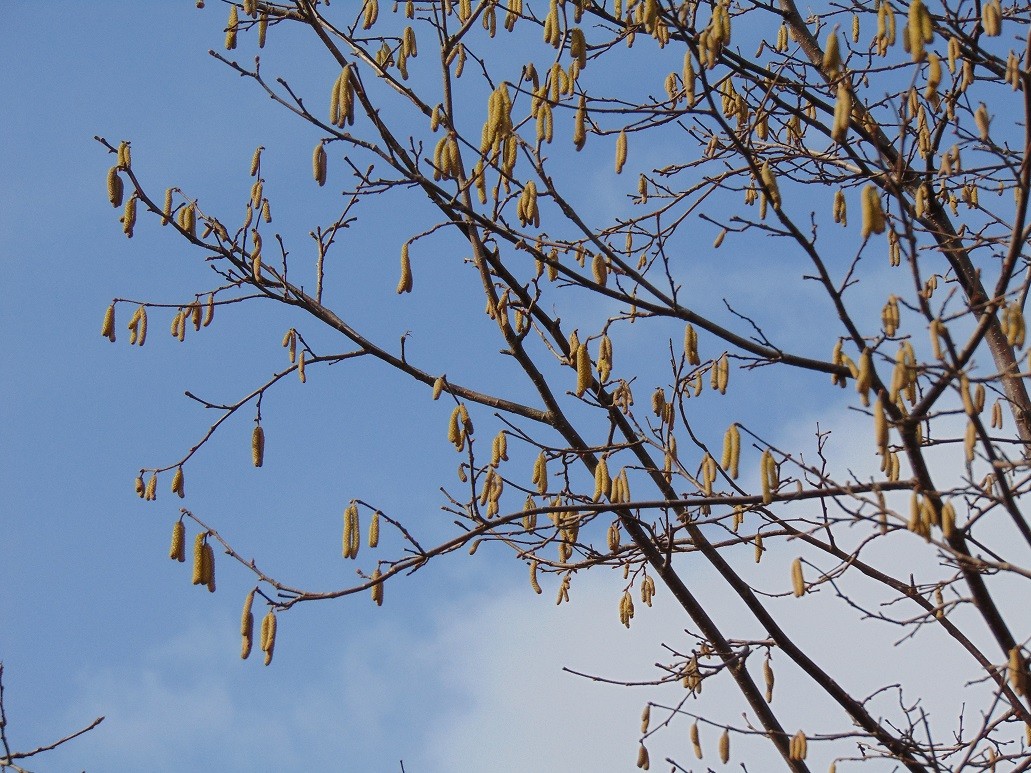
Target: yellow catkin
[
  {"x": 696, "y": 740},
  {"x": 1015, "y": 325},
  {"x": 767, "y": 476},
  {"x": 198, "y": 560},
  {"x": 691, "y": 345},
  {"x": 540, "y": 473},
  {"x": 919, "y": 24},
  {"x": 1018, "y": 671},
  {"x": 873, "y": 215},
  {"x": 374, "y": 530},
  {"x": 527, "y": 209},
  {"x": 177, "y": 483},
  {"x": 247, "y": 626},
  {"x": 263, "y": 640},
  {"x": 318, "y": 164},
  {"x": 725, "y": 747},
  {"x": 769, "y": 180},
  {"x": 722, "y": 374},
  {"x": 256, "y": 160},
  {"x": 964, "y": 391},
  {"x": 646, "y": 717},
  {"x": 370, "y": 13},
  {"x": 188, "y": 219},
  {"x": 604, "y": 358},
  {"x": 342, "y": 103},
  {"x": 193, "y": 312},
  {"x": 247, "y": 618},
  {"x": 929, "y": 513},
  {"x": 689, "y": 76},
  {"x": 991, "y": 18},
  {"x": 602, "y": 482},
  {"x": 209, "y": 310},
  {"x": 151, "y": 492},
  {"x": 377, "y": 588},
  {"x": 615, "y": 492},
  {"x": 797, "y": 580},
  {"x": 166, "y": 211},
  {"x": 936, "y": 330},
  {"x": 620, "y": 490},
  {"x": 840, "y": 210},
  {"x": 262, "y": 29},
  {"x": 500, "y": 447},
  {"x": 454, "y": 432},
  {"x": 948, "y": 520},
  {"x": 620, "y": 151},
  {"x": 934, "y": 77},
  {"x": 580, "y": 124},
  {"x": 533, "y": 578},
  {"x": 404, "y": 284},
  {"x": 978, "y": 398},
  {"x": 613, "y": 537},
  {"x": 438, "y": 387},
  {"x": 842, "y": 112},
  {"x": 643, "y": 762},
  {"x": 647, "y": 590},
  {"x": 352, "y": 532},
  {"x": 768, "y": 679},
  {"x": 410, "y": 42},
  {"x": 798, "y": 749},
  {"x": 209, "y": 567},
  {"x": 600, "y": 269},
  {"x": 691, "y": 678},
  {"x": 583, "y": 369},
  {"x": 832, "y": 54},
  {"x": 864, "y": 379},
  {"x": 256, "y": 256},
  {"x": 626, "y": 608},
  {"x": 178, "y": 326},
  {"x": 732, "y": 450},
  {"x": 334, "y": 102},
  {"x": 880, "y": 426},
  {"x": 177, "y": 550},
  {"x": 997, "y": 415},
  {"x": 983, "y": 121},
  {"x": 231, "y": 27},
  {"x": 129, "y": 216},
  {"x": 258, "y": 446},
  {"x": 915, "y": 523},
  {"x": 290, "y": 343},
  {"x": 107, "y": 329},
  {"x": 268, "y": 635},
  {"x": 115, "y": 187},
  {"x": 890, "y": 316}
]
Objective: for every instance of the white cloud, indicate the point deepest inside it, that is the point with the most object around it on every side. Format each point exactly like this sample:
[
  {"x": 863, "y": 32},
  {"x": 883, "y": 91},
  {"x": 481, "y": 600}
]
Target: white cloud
[{"x": 520, "y": 710}]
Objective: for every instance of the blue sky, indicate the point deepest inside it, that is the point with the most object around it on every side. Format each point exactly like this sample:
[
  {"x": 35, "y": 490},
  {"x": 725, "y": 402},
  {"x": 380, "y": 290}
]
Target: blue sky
[{"x": 461, "y": 669}]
